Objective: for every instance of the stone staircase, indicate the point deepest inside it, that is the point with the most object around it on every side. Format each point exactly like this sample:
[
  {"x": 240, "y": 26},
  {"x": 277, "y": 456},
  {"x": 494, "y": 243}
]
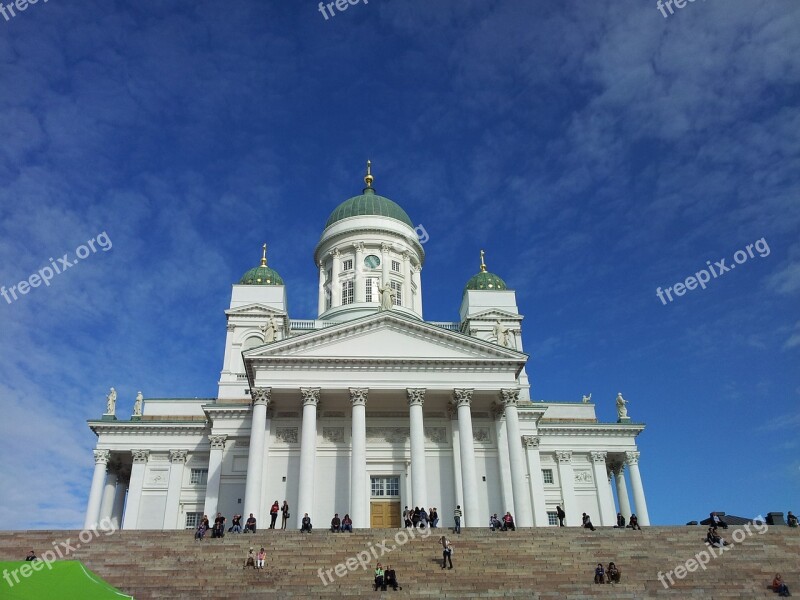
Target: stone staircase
[{"x": 543, "y": 563}]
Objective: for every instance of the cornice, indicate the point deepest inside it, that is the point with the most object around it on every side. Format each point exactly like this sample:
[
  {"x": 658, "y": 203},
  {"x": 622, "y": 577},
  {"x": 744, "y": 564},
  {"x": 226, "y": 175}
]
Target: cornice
[
  {"x": 593, "y": 429},
  {"x": 149, "y": 428}
]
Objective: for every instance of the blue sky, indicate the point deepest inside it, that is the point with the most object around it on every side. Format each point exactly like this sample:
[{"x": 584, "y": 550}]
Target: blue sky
[{"x": 595, "y": 150}]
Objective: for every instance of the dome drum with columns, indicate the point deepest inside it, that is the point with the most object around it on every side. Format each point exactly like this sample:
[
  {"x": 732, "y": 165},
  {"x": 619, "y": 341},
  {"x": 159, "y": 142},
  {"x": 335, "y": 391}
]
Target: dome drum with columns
[{"x": 366, "y": 408}]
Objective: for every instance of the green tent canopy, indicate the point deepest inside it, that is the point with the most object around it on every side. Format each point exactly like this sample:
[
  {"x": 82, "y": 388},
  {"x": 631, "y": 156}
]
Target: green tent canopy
[{"x": 61, "y": 580}]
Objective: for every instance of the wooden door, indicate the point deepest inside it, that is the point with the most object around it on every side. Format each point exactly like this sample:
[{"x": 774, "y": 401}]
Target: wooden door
[{"x": 384, "y": 515}]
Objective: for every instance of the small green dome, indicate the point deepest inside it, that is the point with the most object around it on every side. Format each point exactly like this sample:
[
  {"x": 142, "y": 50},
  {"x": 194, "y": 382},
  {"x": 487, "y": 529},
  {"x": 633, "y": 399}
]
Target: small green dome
[
  {"x": 368, "y": 203},
  {"x": 262, "y": 274},
  {"x": 485, "y": 281}
]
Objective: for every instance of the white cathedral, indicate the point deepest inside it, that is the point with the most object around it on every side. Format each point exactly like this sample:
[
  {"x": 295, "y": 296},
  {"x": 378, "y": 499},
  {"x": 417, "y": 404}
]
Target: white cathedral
[{"x": 366, "y": 409}]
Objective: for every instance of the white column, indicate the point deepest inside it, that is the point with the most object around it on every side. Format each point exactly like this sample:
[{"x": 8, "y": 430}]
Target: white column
[
  {"x": 109, "y": 492},
  {"x": 419, "y": 481},
  {"x": 360, "y": 290},
  {"x": 226, "y": 361},
  {"x": 506, "y": 495},
  {"x": 566, "y": 477},
  {"x": 385, "y": 258},
  {"x": 336, "y": 285},
  {"x": 131, "y": 520},
  {"x": 407, "y": 298},
  {"x": 255, "y": 455},
  {"x": 535, "y": 479},
  {"x": 119, "y": 500},
  {"x": 358, "y": 459},
  {"x": 519, "y": 487},
  {"x": 96, "y": 491},
  {"x": 622, "y": 490},
  {"x": 456, "y": 469},
  {"x": 472, "y": 517},
  {"x": 322, "y": 292},
  {"x": 177, "y": 459},
  {"x": 632, "y": 460},
  {"x": 308, "y": 451},
  {"x": 214, "y": 474},
  {"x": 417, "y": 280},
  {"x": 605, "y": 500}
]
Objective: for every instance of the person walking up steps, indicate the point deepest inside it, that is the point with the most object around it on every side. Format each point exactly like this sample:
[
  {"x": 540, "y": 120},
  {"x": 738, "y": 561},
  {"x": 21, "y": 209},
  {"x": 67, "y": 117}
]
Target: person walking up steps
[
  {"x": 447, "y": 552},
  {"x": 457, "y": 518}
]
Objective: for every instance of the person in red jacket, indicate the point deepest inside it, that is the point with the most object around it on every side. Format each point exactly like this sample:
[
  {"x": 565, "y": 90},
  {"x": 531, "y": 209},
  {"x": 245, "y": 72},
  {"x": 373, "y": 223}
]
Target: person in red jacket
[{"x": 273, "y": 514}]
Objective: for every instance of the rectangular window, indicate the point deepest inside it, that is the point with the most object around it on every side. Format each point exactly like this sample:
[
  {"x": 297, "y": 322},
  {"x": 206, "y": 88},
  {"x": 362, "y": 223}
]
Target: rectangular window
[
  {"x": 199, "y": 476},
  {"x": 398, "y": 293},
  {"x": 347, "y": 264},
  {"x": 396, "y": 266},
  {"x": 552, "y": 518},
  {"x": 347, "y": 292},
  {"x": 371, "y": 294},
  {"x": 193, "y": 520},
  {"x": 385, "y": 487},
  {"x": 547, "y": 475}
]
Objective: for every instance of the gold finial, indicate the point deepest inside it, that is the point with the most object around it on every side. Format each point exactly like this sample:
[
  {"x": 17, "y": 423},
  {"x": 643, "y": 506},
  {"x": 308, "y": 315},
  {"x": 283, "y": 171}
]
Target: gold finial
[
  {"x": 483, "y": 264},
  {"x": 369, "y": 179},
  {"x": 264, "y": 255}
]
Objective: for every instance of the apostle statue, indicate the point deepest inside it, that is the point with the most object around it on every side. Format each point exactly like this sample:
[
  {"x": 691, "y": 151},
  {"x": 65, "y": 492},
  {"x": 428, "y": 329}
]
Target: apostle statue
[
  {"x": 270, "y": 331},
  {"x": 501, "y": 333},
  {"x": 587, "y": 399},
  {"x": 111, "y": 402},
  {"x": 137, "y": 406},
  {"x": 622, "y": 411},
  {"x": 387, "y": 296}
]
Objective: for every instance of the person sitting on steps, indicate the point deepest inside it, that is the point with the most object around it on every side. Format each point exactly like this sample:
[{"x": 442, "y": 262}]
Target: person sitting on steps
[
  {"x": 508, "y": 522},
  {"x": 380, "y": 582},
  {"x": 587, "y": 522},
  {"x": 620, "y": 521},
  {"x": 613, "y": 574},
  {"x": 250, "y": 524},
  {"x": 347, "y": 524},
  {"x": 494, "y": 522},
  {"x": 791, "y": 520},
  {"x": 713, "y": 538},
  {"x": 251, "y": 559},
  {"x": 780, "y": 587},
  {"x": 390, "y": 578},
  {"x": 717, "y": 522},
  {"x": 599, "y": 574},
  {"x": 262, "y": 555},
  {"x": 305, "y": 524},
  {"x": 634, "y": 523},
  {"x": 336, "y": 524}
]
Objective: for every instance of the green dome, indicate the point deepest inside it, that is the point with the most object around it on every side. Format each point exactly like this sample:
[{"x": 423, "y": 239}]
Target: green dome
[
  {"x": 368, "y": 203},
  {"x": 485, "y": 281},
  {"x": 261, "y": 276}
]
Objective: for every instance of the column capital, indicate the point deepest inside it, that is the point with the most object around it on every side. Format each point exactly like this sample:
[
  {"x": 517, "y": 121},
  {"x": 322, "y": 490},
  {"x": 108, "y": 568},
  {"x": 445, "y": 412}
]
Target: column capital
[
  {"x": 632, "y": 458},
  {"x": 178, "y": 456},
  {"x": 358, "y": 246},
  {"x": 261, "y": 396},
  {"x": 230, "y": 327},
  {"x": 530, "y": 441},
  {"x": 618, "y": 468},
  {"x": 217, "y": 441},
  {"x": 310, "y": 396},
  {"x": 335, "y": 253},
  {"x": 510, "y": 396},
  {"x": 598, "y": 456},
  {"x": 358, "y": 396},
  {"x": 564, "y": 456},
  {"x": 416, "y": 396},
  {"x": 140, "y": 456},
  {"x": 101, "y": 457},
  {"x": 406, "y": 256},
  {"x": 463, "y": 396},
  {"x": 385, "y": 247}
]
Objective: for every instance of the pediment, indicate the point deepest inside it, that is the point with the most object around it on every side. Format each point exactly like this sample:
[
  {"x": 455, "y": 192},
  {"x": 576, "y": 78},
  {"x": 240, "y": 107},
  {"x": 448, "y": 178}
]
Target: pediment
[
  {"x": 255, "y": 309},
  {"x": 495, "y": 313},
  {"x": 386, "y": 336}
]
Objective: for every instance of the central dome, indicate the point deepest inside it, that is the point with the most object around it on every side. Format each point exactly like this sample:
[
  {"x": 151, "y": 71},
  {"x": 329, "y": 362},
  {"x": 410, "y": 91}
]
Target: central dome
[{"x": 368, "y": 203}]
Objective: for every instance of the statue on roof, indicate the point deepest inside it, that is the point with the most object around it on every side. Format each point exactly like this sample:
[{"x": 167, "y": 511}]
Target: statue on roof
[
  {"x": 270, "y": 331},
  {"x": 111, "y": 402},
  {"x": 137, "y": 405},
  {"x": 501, "y": 334},
  {"x": 622, "y": 411},
  {"x": 587, "y": 399},
  {"x": 387, "y": 296}
]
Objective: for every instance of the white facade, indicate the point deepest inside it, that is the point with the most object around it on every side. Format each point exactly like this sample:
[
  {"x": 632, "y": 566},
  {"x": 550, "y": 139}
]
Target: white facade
[{"x": 333, "y": 413}]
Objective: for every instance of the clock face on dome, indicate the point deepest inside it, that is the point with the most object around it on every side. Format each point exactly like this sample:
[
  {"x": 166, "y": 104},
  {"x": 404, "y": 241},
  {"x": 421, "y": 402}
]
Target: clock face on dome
[{"x": 372, "y": 261}]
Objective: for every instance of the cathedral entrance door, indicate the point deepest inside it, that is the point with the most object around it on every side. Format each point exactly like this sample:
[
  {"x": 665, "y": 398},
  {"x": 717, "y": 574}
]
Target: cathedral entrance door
[{"x": 384, "y": 515}]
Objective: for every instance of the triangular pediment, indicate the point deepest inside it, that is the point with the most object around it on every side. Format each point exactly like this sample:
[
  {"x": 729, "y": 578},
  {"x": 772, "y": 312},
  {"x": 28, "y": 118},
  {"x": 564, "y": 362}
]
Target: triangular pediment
[
  {"x": 255, "y": 309},
  {"x": 386, "y": 336},
  {"x": 495, "y": 313}
]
